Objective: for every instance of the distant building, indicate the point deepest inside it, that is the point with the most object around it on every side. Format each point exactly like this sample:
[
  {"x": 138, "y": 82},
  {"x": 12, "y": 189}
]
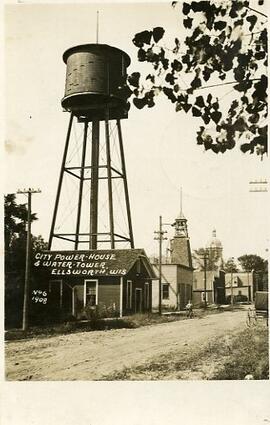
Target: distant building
[
  {"x": 177, "y": 270},
  {"x": 214, "y": 250},
  {"x": 210, "y": 285},
  {"x": 260, "y": 280},
  {"x": 241, "y": 284}
]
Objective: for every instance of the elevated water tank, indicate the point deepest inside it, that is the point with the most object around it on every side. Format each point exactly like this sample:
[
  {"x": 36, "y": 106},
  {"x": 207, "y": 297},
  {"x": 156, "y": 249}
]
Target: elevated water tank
[{"x": 95, "y": 80}]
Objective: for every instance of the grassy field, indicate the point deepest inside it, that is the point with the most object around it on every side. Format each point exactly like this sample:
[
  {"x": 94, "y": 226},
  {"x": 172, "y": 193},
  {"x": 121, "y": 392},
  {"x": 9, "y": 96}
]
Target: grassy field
[{"x": 231, "y": 357}]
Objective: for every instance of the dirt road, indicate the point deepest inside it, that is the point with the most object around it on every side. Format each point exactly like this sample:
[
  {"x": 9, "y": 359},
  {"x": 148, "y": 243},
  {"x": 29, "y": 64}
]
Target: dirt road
[{"x": 93, "y": 355}]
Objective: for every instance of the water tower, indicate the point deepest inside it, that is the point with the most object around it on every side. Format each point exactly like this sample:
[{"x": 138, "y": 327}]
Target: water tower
[{"x": 96, "y": 101}]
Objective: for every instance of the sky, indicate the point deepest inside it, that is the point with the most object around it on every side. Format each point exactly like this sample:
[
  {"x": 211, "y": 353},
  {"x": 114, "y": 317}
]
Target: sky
[{"x": 160, "y": 144}]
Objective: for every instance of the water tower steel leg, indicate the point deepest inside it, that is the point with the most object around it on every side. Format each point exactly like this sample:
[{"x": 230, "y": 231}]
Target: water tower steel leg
[
  {"x": 109, "y": 175},
  {"x": 60, "y": 182},
  {"x": 125, "y": 183},
  {"x": 94, "y": 186},
  {"x": 81, "y": 186}
]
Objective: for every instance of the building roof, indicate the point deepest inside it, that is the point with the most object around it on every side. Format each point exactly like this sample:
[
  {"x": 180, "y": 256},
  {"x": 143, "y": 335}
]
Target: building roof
[
  {"x": 181, "y": 252},
  {"x": 239, "y": 279},
  {"x": 181, "y": 216},
  {"x": 110, "y": 262}
]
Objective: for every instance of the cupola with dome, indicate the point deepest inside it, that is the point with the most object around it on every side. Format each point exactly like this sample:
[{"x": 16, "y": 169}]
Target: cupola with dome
[{"x": 215, "y": 247}]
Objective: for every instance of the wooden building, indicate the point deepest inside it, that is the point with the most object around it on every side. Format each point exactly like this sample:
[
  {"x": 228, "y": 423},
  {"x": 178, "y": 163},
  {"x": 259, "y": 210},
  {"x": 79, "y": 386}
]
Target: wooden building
[
  {"x": 240, "y": 285},
  {"x": 214, "y": 283},
  {"x": 177, "y": 270},
  {"x": 117, "y": 281}
]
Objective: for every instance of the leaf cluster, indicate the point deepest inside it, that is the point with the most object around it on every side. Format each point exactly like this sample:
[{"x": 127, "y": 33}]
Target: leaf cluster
[
  {"x": 15, "y": 236},
  {"x": 225, "y": 44},
  {"x": 212, "y": 260},
  {"x": 15, "y": 219},
  {"x": 251, "y": 262}
]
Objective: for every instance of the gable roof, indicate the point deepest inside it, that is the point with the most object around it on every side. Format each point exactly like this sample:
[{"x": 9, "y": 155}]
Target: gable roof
[
  {"x": 239, "y": 279},
  {"x": 116, "y": 262}
]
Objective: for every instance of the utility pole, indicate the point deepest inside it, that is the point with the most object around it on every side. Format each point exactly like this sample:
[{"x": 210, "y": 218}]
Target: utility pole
[
  {"x": 160, "y": 238},
  {"x": 231, "y": 288},
  {"x": 28, "y": 256},
  {"x": 205, "y": 258}
]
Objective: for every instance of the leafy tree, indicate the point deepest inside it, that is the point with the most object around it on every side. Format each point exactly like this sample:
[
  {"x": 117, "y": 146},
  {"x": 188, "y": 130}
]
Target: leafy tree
[
  {"x": 211, "y": 260},
  {"x": 230, "y": 266},
  {"x": 15, "y": 254},
  {"x": 252, "y": 262},
  {"x": 15, "y": 233},
  {"x": 15, "y": 219},
  {"x": 225, "y": 45}
]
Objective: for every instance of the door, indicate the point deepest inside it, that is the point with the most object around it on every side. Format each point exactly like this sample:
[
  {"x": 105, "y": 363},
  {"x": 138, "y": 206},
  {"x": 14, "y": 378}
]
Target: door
[
  {"x": 55, "y": 299},
  {"x": 56, "y": 293},
  {"x": 138, "y": 300}
]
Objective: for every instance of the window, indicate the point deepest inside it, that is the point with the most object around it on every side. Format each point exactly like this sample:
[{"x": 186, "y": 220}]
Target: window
[
  {"x": 138, "y": 300},
  {"x": 165, "y": 291},
  {"x": 129, "y": 294},
  {"x": 146, "y": 295},
  {"x": 90, "y": 292},
  {"x": 203, "y": 296}
]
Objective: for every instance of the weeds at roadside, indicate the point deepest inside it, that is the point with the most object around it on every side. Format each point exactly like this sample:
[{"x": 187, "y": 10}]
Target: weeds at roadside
[
  {"x": 92, "y": 324},
  {"x": 225, "y": 358}
]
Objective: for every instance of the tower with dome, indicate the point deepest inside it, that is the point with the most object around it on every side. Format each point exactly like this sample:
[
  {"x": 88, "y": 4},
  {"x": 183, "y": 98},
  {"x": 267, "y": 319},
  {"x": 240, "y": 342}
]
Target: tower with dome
[{"x": 215, "y": 248}]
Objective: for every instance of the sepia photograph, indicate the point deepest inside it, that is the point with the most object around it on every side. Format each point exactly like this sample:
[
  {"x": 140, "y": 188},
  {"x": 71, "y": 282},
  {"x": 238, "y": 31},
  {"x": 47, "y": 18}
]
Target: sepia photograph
[{"x": 136, "y": 193}]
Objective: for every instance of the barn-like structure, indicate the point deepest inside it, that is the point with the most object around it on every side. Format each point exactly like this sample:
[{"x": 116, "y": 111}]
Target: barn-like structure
[{"x": 117, "y": 282}]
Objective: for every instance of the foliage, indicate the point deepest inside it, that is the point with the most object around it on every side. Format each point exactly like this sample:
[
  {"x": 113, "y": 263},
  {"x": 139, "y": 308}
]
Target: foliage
[
  {"x": 230, "y": 266},
  {"x": 248, "y": 356},
  {"x": 15, "y": 254},
  {"x": 251, "y": 262},
  {"x": 38, "y": 244},
  {"x": 72, "y": 325},
  {"x": 229, "y": 357},
  {"x": 100, "y": 311},
  {"x": 15, "y": 234},
  {"x": 15, "y": 219},
  {"x": 225, "y": 45},
  {"x": 211, "y": 259}
]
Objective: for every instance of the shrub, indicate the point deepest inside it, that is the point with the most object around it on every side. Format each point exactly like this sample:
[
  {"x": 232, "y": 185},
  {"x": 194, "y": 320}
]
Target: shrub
[{"x": 100, "y": 311}]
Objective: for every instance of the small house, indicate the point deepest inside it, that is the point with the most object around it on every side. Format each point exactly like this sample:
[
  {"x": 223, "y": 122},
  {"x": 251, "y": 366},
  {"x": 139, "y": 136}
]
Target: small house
[
  {"x": 240, "y": 286},
  {"x": 118, "y": 281}
]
